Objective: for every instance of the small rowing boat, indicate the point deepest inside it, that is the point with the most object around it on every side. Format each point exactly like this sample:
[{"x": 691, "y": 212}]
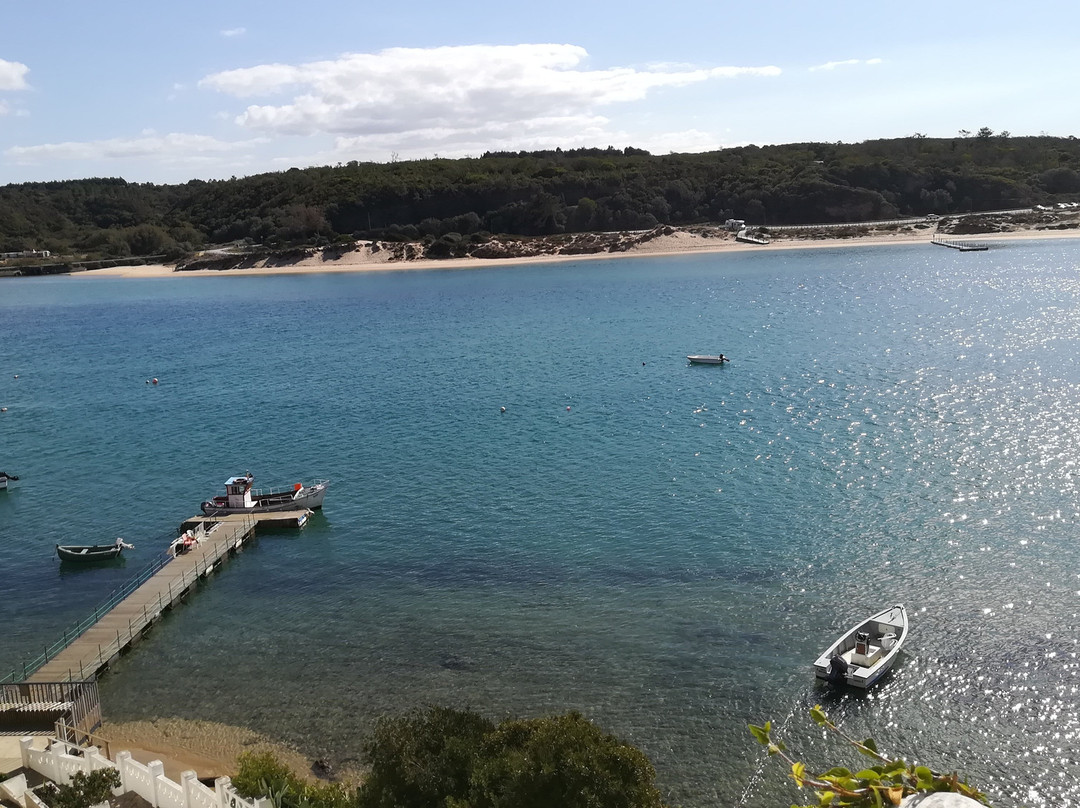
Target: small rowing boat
[{"x": 92, "y": 552}]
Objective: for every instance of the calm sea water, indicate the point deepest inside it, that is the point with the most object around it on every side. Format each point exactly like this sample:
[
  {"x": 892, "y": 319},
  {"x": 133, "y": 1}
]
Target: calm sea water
[{"x": 664, "y": 547}]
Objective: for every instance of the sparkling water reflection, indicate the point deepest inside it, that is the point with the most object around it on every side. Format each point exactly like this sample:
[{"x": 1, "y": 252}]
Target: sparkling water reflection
[{"x": 664, "y": 547}]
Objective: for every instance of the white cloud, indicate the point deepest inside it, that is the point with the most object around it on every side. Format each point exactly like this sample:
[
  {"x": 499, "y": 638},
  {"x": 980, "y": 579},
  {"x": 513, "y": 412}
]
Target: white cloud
[
  {"x": 451, "y": 99},
  {"x": 231, "y": 32},
  {"x": 151, "y": 144},
  {"x": 689, "y": 141},
  {"x": 846, "y": 63},
  {"x": 13, "y": 75},
  {"x": 461, "y": 140}
]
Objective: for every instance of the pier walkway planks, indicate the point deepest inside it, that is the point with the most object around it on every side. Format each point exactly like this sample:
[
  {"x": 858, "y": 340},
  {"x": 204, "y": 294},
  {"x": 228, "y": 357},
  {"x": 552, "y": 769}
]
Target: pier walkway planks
[{"x": 122, "y": 624}]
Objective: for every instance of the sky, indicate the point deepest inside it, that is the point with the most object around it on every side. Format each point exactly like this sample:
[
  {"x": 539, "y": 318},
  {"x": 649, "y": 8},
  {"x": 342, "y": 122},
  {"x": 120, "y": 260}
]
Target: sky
[{"x": 167, "y": 92}]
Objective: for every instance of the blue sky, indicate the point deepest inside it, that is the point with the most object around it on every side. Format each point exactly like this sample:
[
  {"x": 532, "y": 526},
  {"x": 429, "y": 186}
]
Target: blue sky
[{"x": 166, "y": 92}]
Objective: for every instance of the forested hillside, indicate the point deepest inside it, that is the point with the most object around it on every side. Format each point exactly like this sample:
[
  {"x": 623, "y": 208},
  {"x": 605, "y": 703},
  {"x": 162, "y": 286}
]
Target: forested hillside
[{"x": 544, "y": 193}]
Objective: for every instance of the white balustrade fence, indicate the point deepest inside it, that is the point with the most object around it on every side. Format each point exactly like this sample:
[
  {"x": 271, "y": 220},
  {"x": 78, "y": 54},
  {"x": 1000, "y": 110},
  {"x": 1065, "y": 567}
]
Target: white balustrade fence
[{"x": 60, "y": 761}]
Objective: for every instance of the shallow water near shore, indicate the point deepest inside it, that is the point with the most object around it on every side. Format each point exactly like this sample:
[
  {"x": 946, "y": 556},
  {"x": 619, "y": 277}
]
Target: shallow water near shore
[{"x": 661, "y": 546}]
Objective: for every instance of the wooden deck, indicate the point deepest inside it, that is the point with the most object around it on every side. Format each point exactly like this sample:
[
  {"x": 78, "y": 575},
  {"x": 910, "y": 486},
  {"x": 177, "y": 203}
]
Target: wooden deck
[{"x": 110, "y": 633}]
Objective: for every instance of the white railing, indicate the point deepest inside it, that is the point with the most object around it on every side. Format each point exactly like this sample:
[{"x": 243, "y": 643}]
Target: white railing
[{"x": 57, "y": 763}]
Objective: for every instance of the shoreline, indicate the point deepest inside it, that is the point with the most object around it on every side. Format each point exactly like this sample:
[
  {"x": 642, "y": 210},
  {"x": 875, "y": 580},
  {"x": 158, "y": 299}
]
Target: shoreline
[
  {"x": 208, "y": 748},
  {"x": 679, "y": 242}
]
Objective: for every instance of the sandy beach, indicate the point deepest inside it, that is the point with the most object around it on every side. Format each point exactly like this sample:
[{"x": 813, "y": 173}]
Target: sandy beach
[
  {"x": 209, "y": 749},
  {"x": 677, "y": 242}
]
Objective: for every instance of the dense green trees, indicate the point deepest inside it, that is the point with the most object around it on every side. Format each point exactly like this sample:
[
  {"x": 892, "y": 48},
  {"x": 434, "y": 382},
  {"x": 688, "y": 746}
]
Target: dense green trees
[
  {"x": 445, "y": 758},
  {"x": 545, "y": 193}
]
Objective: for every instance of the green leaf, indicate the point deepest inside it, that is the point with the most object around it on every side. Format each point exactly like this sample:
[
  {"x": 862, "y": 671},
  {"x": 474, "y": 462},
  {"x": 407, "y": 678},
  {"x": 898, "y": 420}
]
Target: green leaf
[
  {"x": 761, "y": 733},
  {"x": 894, "y": 767},
  {"x": 838, "y": 771},
  {"x": 798, "y": 771},
  {"x": 926, "y": 777},
  {"x": 818, "y": 715},
  {"x": 869, "y": 774},
  {"x": 869, "y": 747},
  {"x": 826, "y": 798},
  {"x": 774, "y": 749}
]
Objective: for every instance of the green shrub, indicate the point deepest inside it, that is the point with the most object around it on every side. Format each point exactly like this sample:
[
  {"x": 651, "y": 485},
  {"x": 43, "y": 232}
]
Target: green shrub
[
  {"x": 422, "y": 758},
  {"x": 260, "y": 774},
  {"x": 564, "y": 761},
  {"x": 83, "y": 791},
  {"x": 444, "y": 758}
]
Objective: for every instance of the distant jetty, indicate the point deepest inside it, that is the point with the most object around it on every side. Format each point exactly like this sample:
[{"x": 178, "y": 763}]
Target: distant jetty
[
  {"x": 962, "y": 246},
  {"x": 746, "y": 237}
]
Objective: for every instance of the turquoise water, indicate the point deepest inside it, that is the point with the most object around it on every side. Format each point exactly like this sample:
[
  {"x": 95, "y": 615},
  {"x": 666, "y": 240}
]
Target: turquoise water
[{"x": 664, "y": 547}]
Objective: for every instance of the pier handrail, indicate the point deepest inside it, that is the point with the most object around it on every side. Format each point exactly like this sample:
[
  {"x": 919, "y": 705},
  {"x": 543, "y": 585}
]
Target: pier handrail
[{"x": 134, "y": 626}]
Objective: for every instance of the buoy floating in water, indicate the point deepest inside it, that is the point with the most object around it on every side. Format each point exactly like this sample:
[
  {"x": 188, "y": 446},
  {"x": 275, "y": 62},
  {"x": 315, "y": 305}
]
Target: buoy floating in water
[
  {"x": 153, "y": 381},
  {"x": 502, "y": 409},
  {"x": 568, "y": 409}
]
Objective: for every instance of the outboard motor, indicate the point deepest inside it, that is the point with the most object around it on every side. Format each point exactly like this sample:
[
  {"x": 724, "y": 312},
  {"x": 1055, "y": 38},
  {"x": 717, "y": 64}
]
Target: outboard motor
[{"x": 838, "y": 668}]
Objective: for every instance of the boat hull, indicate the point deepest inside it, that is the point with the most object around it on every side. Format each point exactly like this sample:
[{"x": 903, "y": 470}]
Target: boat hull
[
  {"x": 86, "y": 553},
  {"x": 706, "y": 360},
  {"x": 886, "y": 632},
  {"x": 308, "y": 497}
]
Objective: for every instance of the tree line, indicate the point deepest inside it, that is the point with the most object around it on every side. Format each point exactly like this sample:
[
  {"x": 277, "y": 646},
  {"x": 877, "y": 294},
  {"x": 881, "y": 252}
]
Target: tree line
[{"x": 543, "y": 193}]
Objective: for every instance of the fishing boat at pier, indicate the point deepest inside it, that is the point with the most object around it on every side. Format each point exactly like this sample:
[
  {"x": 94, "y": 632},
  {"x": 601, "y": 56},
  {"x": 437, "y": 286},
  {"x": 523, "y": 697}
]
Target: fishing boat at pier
[{"x": 240, "y": 497}]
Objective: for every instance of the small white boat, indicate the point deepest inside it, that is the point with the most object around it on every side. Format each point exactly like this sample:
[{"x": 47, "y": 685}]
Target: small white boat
[
  {"x": 706, "y": 359},
  {"x": 4, "y": 477},
  {"x": 241, "y": 498},
  {"x": 866, "y": 651}
]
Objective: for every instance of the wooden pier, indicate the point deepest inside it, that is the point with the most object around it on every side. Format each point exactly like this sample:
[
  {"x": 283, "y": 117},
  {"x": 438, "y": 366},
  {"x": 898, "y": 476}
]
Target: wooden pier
[
  {"x": 962, "y": 246},
  {"x": 89, "y": 648}
]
